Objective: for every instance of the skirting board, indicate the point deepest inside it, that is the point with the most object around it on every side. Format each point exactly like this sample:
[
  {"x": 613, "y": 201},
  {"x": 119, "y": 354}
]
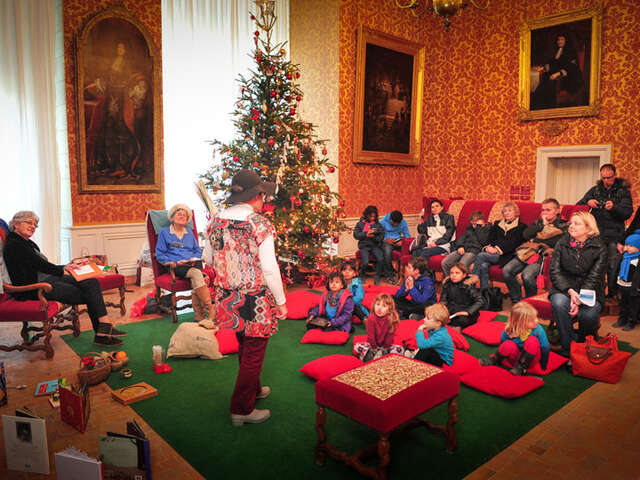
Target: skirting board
[{"x": 121, "y": 243}]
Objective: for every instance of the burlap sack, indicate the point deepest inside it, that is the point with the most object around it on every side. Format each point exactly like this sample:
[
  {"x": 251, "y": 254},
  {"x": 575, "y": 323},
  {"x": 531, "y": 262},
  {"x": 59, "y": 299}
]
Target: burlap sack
[{"x": 191, "y": 340}]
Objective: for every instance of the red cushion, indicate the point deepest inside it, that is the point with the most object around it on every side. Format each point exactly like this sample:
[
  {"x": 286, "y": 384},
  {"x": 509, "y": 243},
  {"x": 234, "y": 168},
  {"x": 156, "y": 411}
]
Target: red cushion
[
  {"x": 12, "y": 310},
  {"x": 555, "y": 362},
  {"x": 164, "y": 281},
  {"x": 113, "y": 280},
  {"x": 459, "y": 341},
  {"x": 372, "y": 291},
  {"x": 542, "y": 305},
  {"x": 462, "y": 363},
  {"x": 486, "y": 332},
  {"x": 406, "y": 333},
  {"x": 498, "y": 381},
  {"x": 495, "y": 273},
  {"x": 299, "y": 303},
  {"x": 330, "y": 366},
  {"x": 435, "y": 263},
  {"x": 486, "y": 315},
  {"x": 315, "y": 335},
  {"x": 227, "y": 341},
  {"x": 387, "y": 398}
]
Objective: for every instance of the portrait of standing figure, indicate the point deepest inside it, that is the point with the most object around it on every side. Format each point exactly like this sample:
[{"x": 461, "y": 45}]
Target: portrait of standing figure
[{"x": 118, "y": 97}]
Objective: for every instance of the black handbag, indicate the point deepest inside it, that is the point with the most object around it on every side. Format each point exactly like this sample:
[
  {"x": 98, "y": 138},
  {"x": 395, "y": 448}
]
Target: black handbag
[{"x": 492, "y": 298}]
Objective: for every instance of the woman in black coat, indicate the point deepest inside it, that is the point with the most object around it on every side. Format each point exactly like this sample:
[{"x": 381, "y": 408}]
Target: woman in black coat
[
  {"x": 578, "y": 262},
  {"x": 460, "y": 295},
  {"x": 26, "y": 265},
  {"x": 438, "y": 232}
]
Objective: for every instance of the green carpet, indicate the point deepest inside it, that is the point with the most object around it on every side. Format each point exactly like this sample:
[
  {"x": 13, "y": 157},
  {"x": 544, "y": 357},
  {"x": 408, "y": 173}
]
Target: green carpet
[{"x": 191, "y": 412}]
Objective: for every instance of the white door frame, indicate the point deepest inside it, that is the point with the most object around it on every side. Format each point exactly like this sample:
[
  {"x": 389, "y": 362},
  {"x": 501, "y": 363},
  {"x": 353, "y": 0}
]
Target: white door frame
[{"x": 546, "y": 154}]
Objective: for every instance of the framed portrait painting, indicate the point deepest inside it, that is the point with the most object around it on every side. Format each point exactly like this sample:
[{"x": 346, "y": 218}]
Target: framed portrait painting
[
  {"x": 388, "y": 107},
  {"x": 118, "y": 105},
  {"x": 560, "y": 65}
]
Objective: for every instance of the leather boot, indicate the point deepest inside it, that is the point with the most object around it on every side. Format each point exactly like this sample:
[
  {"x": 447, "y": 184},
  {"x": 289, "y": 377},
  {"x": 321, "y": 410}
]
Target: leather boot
[
  {"x": 523, "y": 364},
  {"x": 205, "y": 300},
  {"x": 197, "y": 307}
]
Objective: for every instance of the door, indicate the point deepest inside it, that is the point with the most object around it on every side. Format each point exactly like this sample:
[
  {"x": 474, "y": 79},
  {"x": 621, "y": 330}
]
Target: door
[{"x": 569, "y": 178}]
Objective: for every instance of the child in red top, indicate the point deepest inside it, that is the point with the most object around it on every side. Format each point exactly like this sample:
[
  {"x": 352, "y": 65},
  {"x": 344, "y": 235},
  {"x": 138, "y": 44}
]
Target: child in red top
[{"x": 381, "y": 327}]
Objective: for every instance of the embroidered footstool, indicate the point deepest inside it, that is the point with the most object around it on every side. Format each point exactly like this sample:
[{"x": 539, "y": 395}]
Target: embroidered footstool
[{"x": 386, "y": 394}]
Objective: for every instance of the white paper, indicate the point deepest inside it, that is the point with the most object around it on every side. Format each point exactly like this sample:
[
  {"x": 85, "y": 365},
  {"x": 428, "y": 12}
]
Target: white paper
[
  {"x": 588, "y": 297},
  {"x": 83, "y": 270},
  {"x": 72, "y": 464},
  {"x": 25, "y": 441}
]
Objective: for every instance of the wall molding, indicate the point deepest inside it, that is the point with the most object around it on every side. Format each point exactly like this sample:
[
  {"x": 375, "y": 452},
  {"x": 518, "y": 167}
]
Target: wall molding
[
  {"x": 348, "y": 246},
  {"x": 121, "y": 243}
]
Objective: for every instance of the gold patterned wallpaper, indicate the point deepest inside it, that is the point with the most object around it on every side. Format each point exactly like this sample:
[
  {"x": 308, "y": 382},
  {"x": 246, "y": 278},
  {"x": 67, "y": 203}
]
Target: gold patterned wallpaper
[
  {"x": 107, "y": 208},
  {"x": 473, "y": 145},
  {"x": 313, "y": 37}
]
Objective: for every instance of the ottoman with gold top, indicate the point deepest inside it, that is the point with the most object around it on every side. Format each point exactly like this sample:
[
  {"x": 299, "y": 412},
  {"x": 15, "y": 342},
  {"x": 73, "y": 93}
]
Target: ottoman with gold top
[{"x": 386, "y": 394}]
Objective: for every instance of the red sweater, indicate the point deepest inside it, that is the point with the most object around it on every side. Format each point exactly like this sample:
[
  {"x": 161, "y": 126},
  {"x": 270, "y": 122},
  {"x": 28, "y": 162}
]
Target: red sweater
[{"x": 378, "y": 332}]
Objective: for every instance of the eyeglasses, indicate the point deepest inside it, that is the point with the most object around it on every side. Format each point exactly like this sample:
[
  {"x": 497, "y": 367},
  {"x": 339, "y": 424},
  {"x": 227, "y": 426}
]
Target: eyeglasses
[
  {"x": 608, "y": 177},
  {"x": 33, "y": 223}
]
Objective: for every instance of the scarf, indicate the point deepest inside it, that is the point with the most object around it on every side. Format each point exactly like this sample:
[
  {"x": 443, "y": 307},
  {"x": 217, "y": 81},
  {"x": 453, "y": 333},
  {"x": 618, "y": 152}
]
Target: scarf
[
  {"x": 626, "y": 263},
  {"x": 332, "y": 299},
  {"x": 575, "y": 243},
  {"x": 506, "y": 226}
]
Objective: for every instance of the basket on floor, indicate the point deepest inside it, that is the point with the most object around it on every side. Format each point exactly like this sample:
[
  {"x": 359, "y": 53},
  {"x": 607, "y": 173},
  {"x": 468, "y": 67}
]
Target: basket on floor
[
  {"x": 117, "y": 363},
  {"x": 99, "y": 373}
]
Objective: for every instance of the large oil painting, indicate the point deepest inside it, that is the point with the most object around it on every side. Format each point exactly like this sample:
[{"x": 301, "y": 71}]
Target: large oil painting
[
  {"x": 118, "y": 92},
  {"x": 560, "y": 65},
  {"x": 389, "y": 82}
]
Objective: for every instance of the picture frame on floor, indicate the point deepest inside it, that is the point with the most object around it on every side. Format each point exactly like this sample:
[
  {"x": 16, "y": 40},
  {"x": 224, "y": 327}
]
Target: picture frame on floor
[
  {"x": 559, "y": 73},
  {"x": 389, "y": 93},
  {"x": 118, "y": 95}
]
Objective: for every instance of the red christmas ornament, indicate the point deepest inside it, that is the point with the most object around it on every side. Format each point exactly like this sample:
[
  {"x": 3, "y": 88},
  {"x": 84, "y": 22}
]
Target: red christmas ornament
[
  {"x": 306, "y": 229},
  {"x": 300, "y": 253},
  {"x": 292, "y": 111},
  {"x": 298, "y": 203},
  {"x": 324, "y": 151},
  {"x": 299, "y": 98},
  {"x": 273, "y": 93},
  {"x": 255, "y": 114},
  {"x": 252, "y": 17},
  {"x": 256, "y": 33},
  {"x": 332, "y": 169},
  {"x": 341, "y": 203},
  {"x": 288, "y": 76},
  {"x": 256, "y": 164},
  {"x": 259, "y": 58},
  {"x": 336, "y": 239},
  {"x": 271, "y": 141},
  {"x": 297, "y": 75},
  {"x": 235, "y": 158},
  {"x": 327, "y": 187},
  {"x": 305, "y": 170}
]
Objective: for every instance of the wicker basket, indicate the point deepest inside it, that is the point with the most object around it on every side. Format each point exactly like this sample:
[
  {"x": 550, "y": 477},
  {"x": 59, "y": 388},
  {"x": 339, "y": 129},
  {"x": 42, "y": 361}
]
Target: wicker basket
[
  {"x": 97, "y": 374},
  {"x": 117, "y": 363}
]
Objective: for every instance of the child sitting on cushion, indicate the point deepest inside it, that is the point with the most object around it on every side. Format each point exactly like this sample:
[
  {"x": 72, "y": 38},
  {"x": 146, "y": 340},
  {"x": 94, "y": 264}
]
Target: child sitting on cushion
[
  {"x": 461, "y": 297},
  {"x": 381, "y": 328},
  {"x": 629, "y": 283},
  {"x": 524, "y": 342},
  {"x": 419, "y": 285},
  {"x": 437, "y": 348},
  {"x": 354, "y": 284},
  {"x": 336, "y": 306}
]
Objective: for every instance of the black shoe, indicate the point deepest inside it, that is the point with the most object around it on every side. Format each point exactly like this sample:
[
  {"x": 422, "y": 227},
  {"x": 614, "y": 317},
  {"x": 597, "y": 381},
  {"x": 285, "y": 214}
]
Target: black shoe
[
  {"x": 628, "y": 327},
  {"x": 106, "y": 341},
  {"x": 376, "y": 280},
  {"x": 488, "y": 361},
  {"x": 117, "y": 333},
  {"x": 620, "y": 323},
  {"x": 109, "y": 330}
]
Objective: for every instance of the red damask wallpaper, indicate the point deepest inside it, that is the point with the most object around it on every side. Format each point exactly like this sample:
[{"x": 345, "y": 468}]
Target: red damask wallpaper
[
  {"x": 108, "y": 208},
  {"x": 473, "y": 145}
]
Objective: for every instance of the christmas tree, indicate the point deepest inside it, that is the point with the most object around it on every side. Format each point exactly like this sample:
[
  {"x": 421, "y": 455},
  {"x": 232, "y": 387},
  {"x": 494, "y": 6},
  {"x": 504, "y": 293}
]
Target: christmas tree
[{"x": 274, "y": 141}]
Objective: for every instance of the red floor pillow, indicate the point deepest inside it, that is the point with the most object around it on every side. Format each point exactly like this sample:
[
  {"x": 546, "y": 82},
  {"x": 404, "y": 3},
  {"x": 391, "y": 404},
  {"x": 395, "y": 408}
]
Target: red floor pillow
[
  {"x": 227, "y": 341},
  {"x": 330, "y": 366},
  {"x": 300, "y": 302},
  {"x": 554, "y": 363},
  {"x": 459, "y": 341},
  {"x": 355, "y": 320},
  {"x": 498, "y": 381},
  {"x": 463, "y": 363},
  {"x": 486, "y": 316},
  {"x": 316, "y": 335},
  {"x": 372, "y": 291},
  {"x": 486, "y": 332},
  {"x": 406, "y": 333}
]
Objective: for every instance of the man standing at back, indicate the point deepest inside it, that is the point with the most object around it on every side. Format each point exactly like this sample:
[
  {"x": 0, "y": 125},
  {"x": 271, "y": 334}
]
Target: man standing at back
[
  {"x": 249, "y": 293},
  {"x": 610, "y": 203},
  {"x": 395, "y": 230}
]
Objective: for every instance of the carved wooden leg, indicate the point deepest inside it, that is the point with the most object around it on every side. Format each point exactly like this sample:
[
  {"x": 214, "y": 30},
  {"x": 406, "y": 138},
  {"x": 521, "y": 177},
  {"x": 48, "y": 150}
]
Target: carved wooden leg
[
  {"x": 452, "y": 441},
  {"x": 123, "y": 309},
  {"x": 383, "y": 452},
  {"x": 321, "y": 419},
  {"x": 25, "y": 332},
  {"x": 174, "y": 305},
  {"x": 46, "y": 331}
]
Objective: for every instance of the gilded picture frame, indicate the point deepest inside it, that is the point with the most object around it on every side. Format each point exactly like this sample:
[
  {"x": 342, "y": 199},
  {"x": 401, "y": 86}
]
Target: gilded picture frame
[
  {"x": 118, "y": 97},
  {"x": 559, "y": 74},
  {"x": 388, "y": 102}
]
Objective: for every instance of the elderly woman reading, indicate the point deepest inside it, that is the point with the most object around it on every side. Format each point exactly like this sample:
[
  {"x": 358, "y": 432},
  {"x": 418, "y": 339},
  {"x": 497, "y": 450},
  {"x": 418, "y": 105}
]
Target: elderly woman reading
[
  {"x": 27, "y": 265},
  {"x": 178, "y": 247}
]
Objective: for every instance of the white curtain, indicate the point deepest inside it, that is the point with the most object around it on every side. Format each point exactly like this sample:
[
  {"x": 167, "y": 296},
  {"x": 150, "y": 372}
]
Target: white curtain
[
  {"x": 205, "y": 46},
  {"x": 30, "y": 175}
]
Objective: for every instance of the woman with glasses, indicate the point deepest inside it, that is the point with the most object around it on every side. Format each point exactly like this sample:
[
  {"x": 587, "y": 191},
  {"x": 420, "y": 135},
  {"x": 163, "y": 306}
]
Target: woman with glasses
[
  {"x": 178, "y": 247},
  {"x": 27, "y": 265}
]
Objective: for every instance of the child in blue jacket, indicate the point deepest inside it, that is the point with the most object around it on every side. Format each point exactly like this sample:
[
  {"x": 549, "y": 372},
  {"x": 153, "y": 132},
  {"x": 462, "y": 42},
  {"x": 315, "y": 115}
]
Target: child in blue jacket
[
  {"x": 336, "y": 305},
  {"x": 354, "y": 284},
  {"x": 419, "y": 285},
  {"x": 437, "y": 348}
]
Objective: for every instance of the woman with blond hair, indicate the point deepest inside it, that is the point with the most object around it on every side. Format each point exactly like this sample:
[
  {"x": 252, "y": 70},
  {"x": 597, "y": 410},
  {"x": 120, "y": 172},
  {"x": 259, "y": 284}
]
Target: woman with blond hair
[
  {"x": 504, "y": 238},
  {"x": 178, "y": 247},
  {"x": 578, "y": 262}
]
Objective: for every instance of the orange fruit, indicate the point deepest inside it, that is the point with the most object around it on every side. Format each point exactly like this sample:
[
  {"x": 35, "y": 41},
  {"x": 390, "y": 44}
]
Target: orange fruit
[{"x": 121, "y": 355}]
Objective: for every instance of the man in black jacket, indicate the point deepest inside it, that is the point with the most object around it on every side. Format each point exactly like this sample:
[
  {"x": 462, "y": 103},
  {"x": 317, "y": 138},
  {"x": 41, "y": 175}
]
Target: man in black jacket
[
  {"x": 541, "y": 236},
  {"x": 611, "y": 205}
]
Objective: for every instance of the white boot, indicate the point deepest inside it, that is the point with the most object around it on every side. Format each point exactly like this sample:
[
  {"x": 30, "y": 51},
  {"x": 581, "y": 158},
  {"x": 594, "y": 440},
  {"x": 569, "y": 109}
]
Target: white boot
[{"x": 257, "y": 416}]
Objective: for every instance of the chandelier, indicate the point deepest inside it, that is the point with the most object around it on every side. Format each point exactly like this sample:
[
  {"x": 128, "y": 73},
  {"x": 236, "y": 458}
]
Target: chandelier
[{"x": 444, "y": 8}]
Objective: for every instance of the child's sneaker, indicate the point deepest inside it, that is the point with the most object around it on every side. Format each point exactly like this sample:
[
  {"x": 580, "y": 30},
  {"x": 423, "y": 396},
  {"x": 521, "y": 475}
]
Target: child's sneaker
[{"x": 410, "y": 353}]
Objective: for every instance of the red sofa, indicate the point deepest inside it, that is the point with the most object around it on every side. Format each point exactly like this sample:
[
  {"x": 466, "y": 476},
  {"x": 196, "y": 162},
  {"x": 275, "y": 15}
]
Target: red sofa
[{"x": 461, "y": 211}]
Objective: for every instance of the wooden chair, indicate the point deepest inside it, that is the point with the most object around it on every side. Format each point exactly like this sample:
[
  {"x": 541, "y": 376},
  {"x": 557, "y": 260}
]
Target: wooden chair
[{"x": 164, "y": 275}]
